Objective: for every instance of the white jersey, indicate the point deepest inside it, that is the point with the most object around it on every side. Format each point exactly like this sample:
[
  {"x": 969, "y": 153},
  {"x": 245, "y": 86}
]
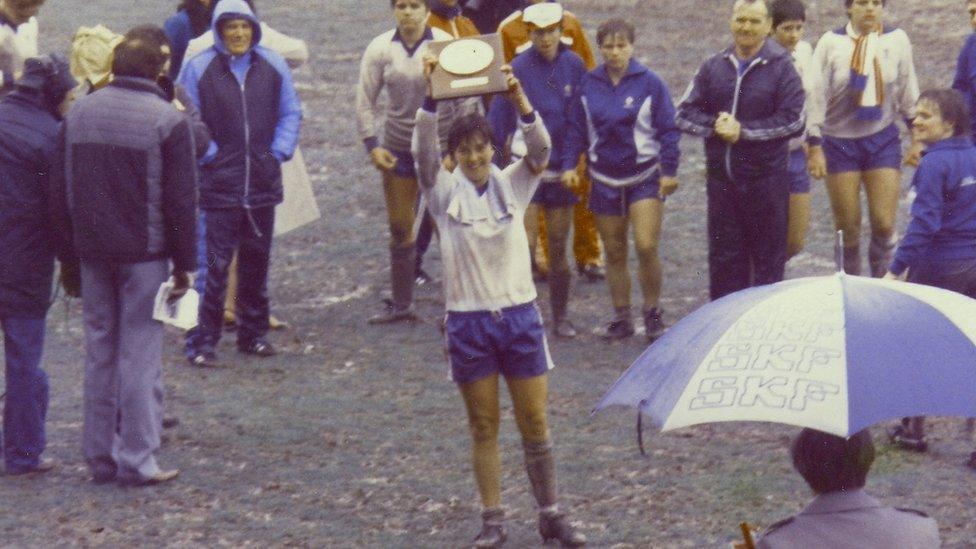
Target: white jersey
[
  {"x": 17, "y": 45},
  {"x": 803, "y": 60},
  {"x": 833, "y": 104},
  {"x": 484, "y": 248}
]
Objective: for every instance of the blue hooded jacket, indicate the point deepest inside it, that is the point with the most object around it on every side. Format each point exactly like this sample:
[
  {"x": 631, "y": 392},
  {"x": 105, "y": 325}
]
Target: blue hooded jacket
[{"x": 250, "y": 105}]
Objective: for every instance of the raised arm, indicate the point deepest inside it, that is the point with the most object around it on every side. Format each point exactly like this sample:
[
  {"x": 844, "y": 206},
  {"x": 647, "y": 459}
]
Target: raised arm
[{"x": 294, "y": 50}]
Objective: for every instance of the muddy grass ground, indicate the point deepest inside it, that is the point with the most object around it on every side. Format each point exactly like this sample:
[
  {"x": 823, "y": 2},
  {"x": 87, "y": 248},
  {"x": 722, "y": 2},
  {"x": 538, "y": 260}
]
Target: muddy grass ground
[{"x": 353, "y": 436}]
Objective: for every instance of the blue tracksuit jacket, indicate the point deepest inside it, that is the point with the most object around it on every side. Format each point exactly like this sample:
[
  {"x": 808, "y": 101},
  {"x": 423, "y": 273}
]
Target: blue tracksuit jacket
[
  {"x": 250, "y": 105},
  {"x": 965, "y": 79},
  {"x": 550, "y": 88},
  {"x": 943, "y": 225},
  {"x": 627, "y": 130}
]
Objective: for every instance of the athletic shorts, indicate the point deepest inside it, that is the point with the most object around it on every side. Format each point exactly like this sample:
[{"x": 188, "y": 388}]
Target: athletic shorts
[
  {"x": 553, "y": 194},
  {"x": 880, "y": 150},
  {"x": 799, "y": 177},
  {"x": 510, "y": 342},
  {"x": 405, "y": 166},
  {"x": 607, "y": 200}
]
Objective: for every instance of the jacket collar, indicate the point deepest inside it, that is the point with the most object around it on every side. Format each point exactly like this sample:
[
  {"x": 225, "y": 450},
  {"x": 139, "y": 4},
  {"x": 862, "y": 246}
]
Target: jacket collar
[
  {"x": 769, "y": 50},
  {"x": 138, "y": 84},
  {"x": 540, "y": 59},
  {"x": 428, "y": 35},
  {"x": 837, "y": 502},
  {"x": 960, "y": 142},
  {"x": 634, "y": 67}
]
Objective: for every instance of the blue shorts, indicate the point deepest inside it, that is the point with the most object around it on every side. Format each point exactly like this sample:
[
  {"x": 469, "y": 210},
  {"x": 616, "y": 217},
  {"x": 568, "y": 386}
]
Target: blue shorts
[
  {"x": 607, "y": 200},
  {"x": 405, "y": 166},
  {"x": 881, "y": 150},
  {"x": 799, "y": 177},
  {"x": 510, "y": 342},
  {"x": 553, "y": 194}
]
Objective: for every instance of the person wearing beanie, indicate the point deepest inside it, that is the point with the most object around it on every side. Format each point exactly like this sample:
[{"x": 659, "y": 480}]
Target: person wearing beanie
[
  {"x": 514, "y": 31},
  {"x": 18, "y": 38},
  {"x": 29, "y": 122}
]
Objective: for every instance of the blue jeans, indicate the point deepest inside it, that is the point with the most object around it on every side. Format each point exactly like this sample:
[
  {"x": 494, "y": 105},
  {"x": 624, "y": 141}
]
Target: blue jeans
[{"x": 25, "y": 407}]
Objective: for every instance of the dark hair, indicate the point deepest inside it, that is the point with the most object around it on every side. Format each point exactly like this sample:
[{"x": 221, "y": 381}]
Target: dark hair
[
  {"x": 787, "y": 10},
  {"x": 138, "y": 56},
  {"x": 149, "y": 33},
  {"x": 830, "y": 463},
  {"x": 465, "y": 127},
  {"x": 952, "y": 108},
  {"x": 199, "y": 15},
  {"x": 615, "y": 27},
  {"x": 426, "y": 3},
  {"x": 849, "y": 3}
]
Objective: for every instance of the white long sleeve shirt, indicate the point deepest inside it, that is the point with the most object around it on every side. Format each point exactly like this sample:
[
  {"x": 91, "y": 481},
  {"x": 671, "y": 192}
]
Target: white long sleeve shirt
[
  {"x": 17, "y": 45},
  {"x": 484, "y": 248},
  {"x": 833, "y": 104},
  {"x": 803, "y": 61}
]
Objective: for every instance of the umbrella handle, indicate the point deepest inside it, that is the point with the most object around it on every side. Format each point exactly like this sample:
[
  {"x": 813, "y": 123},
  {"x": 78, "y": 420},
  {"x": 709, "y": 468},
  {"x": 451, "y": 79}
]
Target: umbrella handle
[
  {"x": 839, "y": 251},
  {"x": 747, "y": 535}
]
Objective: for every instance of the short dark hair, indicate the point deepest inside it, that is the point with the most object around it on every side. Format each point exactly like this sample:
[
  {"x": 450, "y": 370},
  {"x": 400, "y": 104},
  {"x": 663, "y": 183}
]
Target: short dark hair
[
  {"x": 426, "y": 3},
  {"x": 139, "y": 57},
  {"x": 787, "y": 10},
  {"x": 849, "y": 3},
  {"x": 615, "y": 27},
  {"x": 830, "y": 463},
  {"x": 465, "y": 127},
  {"x": 149, "y": 33},
  {"x": 952, "y": 108}
]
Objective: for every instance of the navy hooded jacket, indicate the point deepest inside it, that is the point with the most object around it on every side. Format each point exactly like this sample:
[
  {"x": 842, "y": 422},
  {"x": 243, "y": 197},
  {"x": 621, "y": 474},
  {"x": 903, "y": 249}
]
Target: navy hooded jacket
[
  {"x": 250, "y": 105},
  {"x": 28, "y": 138}
]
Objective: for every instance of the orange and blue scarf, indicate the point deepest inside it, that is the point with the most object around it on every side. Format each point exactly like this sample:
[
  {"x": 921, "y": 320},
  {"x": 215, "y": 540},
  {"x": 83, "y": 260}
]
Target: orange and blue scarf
[{"x": 866, "y": 78}]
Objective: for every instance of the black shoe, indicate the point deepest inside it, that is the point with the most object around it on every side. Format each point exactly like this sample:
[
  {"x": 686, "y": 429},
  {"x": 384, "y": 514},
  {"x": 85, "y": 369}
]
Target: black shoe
[
  {"x": 492, "y": 533},
  {"x": 906, "y": 440},
  {"x": 43, "y": 466},
  {"x": 258, "y": 347},
  {"x": 556, "y": 527},
  {"x": 203, "y": 360},
  {"x": 618, "y": 329},
  {"x": 592, "y": 272},
  {"x": 392, "y": 314},
  {"x": 421, "y": 278},
  {"x": 170, "y": 421},
  {"x": 653, "y": 325}
]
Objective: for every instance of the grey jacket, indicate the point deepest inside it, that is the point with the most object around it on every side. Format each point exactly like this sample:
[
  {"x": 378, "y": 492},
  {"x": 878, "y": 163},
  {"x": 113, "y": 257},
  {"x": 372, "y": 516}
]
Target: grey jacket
[
  {"x": 124, "y": 182},
  {"x": 852, "y": 520}
]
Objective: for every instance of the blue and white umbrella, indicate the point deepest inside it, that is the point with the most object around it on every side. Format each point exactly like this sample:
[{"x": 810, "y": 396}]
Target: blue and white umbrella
[{"x": 835, "y": 353}]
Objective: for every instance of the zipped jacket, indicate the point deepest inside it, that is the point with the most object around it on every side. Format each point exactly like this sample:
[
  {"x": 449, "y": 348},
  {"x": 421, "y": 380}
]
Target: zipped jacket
[
  {"x": 943, "y": 225},
  {"x": 550, "y": 87},
  {"x": 766, "y": 97},
  {"x": 627, "y": 131},
  {"x": 250, "y": 105},
  {"x": 28, "y": 134},
  {"x": 123, "y": 185}
]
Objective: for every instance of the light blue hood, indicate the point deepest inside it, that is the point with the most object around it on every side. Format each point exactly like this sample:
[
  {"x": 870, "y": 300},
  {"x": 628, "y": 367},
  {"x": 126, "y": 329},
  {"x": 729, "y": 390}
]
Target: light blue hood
[{"x": 233, "y": 9}]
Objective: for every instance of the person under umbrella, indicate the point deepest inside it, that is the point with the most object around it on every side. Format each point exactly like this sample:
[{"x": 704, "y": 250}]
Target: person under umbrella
[
  {"x": 493, "y": 326},
  {"x": 842, "y": 514},
  {"x": 939, "y": 247}
]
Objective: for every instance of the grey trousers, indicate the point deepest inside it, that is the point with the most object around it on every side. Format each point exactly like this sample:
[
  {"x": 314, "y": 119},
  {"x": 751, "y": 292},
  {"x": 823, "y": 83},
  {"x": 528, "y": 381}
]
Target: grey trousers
[{"x": 123, "y": 368}]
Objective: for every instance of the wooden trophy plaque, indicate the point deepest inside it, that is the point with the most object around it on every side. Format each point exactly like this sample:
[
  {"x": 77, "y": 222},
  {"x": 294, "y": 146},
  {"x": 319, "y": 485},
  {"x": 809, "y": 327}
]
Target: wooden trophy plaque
[{"x": 467, "y": 67}]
